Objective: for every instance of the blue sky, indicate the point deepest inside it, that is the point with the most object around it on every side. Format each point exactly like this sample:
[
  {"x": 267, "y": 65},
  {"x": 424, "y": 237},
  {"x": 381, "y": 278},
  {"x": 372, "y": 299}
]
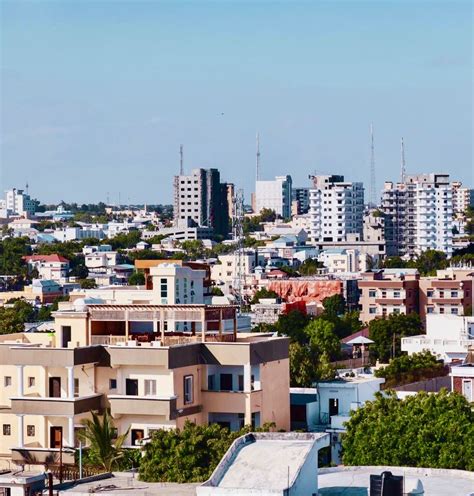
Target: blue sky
[{"x": 96, "y": 96}]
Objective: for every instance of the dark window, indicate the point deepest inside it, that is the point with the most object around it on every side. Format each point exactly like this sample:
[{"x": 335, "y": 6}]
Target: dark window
[
  {"x": 333, "y": 406},
  {"x": 298, "y": 413},
  {"x": 112, "y": 383},
  {"x": 7, "y": 430},
  {"x": 66, "y": 335},
  {"x": 241, "y": 382},
  {"x": 188, "y": 389},
  {"x": 55, "y": 387},
  {"x": 137, "y": 436},
  {"x": 131, "y": 387},
  {"x": 30, "y": 430},
  {"x": 226, "y": 382}
]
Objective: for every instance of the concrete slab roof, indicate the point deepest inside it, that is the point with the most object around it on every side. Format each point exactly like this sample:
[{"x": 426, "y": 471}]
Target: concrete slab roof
[{"x": 354, "y": 481}]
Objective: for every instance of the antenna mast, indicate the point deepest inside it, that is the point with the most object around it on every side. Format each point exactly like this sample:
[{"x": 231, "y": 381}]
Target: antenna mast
[
  {"x": 238, "y": 235},
  {"x": 257, "y": 162},
  {"x": 181, "y": 167},
  {"x": 372, "y": 200},
  {"x": 403, "y": 164}
]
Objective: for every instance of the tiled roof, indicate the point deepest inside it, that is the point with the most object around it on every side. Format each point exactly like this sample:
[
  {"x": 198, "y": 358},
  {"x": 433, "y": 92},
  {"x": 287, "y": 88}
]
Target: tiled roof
[{"x": 46, "y": 258}]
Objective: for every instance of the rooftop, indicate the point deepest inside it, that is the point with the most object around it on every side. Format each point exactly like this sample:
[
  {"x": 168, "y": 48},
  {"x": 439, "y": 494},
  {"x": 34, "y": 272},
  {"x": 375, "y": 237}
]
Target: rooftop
[{"x": 354, "y": 481}]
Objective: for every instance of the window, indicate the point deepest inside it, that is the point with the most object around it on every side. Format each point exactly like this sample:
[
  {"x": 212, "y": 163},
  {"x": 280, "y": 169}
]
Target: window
[
  {"x": 150, "y": 387},
  {"x": 31, "y": 382},
  {"x": 396, "y": 294},
  {"x": 241, "y": 382},
  {"x": 429, "y": 293},
  {"x": 429, "y": 310},
  {"x": 454, "y": 311},
  {"x": 76, "y": 387},
  {"x": 188, "y": 389},
  {"x": 112, "y": 383},
  {"x": 211, "y": 382},
  {"x": 396, "y": 310},
  {"x": 7, "y": 381},
  {"x": 372, "y": 310},
  {"x": 454, "y": 294},
  {"x": 372, "y": 293},
  {"x": 30, "y": 430},
  {"x": 7, "y": 430},
  {"x": 226, "y": 382}
]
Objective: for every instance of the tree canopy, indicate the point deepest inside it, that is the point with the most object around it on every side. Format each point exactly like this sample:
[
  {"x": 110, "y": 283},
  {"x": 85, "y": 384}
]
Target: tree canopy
[
  {"x": 387, "y": 333},
  {"x": 425, "y": 430}
]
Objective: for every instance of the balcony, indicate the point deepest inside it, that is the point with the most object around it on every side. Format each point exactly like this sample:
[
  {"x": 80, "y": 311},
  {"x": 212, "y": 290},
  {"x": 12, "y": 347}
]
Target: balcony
[
  {"x": 164, "y": 406},
  {"x": 231, "y": 401},
  {"x": 34, "y": 405},
  {"x": 338, "y": 421}
]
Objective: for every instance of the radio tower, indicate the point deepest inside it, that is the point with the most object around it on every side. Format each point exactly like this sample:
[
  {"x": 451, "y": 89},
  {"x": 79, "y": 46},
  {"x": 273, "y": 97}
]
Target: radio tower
[
  {"x": 403, "y": 171},
  {"x": 257, "y": 161},
  {"x": 238, "y": 235},
  {"x": 372, "y": 200},
  {"x": 181, "y": 167}
]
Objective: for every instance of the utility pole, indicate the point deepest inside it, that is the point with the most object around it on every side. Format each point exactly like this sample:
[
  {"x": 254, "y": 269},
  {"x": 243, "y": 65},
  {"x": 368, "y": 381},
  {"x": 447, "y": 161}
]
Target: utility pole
[
  {"x": 238, "y": 235},
  {"x": 257, "y": 161}
]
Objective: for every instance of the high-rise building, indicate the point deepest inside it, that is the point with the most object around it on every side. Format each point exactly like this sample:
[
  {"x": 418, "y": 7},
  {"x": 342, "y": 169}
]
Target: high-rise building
[
  {"x": 420, "y": 213},
  {"x": 336, "y": 208},
  {"x": 462, "y": 198},
  {"x": 201, "y": 199},
  {"x": 274, "y": 195},
  {"x": 300, "y": 201},
  {"x": 17, "y": 202}
]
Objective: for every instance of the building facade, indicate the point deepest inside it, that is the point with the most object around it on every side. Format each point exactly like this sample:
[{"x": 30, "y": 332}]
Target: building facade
[
  {"x": 150, "y": 376},
  {"x": 420, "y": 212},
  {"x": 201, "y": 198},
  {"x": 336, "y": 209},
  {"x": 274, "y": 195},
  {"x": 300, "y": 201},
  {"x": 17, "y": 202}
]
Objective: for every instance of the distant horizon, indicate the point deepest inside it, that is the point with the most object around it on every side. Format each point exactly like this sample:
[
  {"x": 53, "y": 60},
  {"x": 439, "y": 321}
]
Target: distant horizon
[{"x": 97, "y": 97}]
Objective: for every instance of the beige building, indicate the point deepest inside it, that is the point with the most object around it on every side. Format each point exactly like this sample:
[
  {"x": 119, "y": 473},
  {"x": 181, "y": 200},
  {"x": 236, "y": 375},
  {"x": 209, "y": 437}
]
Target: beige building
[
  {"x": 130, "y": 359},
  {"x": 387, "y": 292}
]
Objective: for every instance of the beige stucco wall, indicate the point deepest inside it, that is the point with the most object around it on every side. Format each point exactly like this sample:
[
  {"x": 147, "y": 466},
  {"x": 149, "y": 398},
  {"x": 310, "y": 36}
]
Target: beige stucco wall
[{"x": 275, "y": 405}]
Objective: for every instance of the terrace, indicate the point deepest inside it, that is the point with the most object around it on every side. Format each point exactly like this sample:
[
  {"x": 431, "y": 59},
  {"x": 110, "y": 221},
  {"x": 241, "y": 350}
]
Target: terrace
[{"x": 160, "y": 325}]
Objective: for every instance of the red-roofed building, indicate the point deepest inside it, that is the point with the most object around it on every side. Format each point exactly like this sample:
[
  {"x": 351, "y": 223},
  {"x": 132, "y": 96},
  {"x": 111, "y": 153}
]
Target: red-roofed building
[{"x": 52, "y": 267}]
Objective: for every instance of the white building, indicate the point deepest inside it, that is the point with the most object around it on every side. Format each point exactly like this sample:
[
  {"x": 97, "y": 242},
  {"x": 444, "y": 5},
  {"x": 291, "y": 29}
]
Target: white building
[
  {"x": 53, "y": 267},
  {"x": 274, "y": 195},
  {"x": 96, "y": 257},
  {"x": 447, "y": 336},
  {"x": 336, "y": 209},
  {"x": 19, "y": 203},
  {"x": 341, "y": 260},
  {"x": 420, "y": 212},
  {"x": 462, "y": 198},
  {"x": 77, "y": 233},
  {"x": 224, "y": 273},
  {"x": 327, "y": 406}
]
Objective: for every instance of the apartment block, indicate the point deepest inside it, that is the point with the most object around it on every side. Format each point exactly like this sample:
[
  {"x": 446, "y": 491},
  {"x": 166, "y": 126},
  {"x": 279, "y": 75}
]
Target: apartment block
[
  {"x": 201, "y": 198},
  {"x": 17, "y": 202},
  {"x": 463, "y": 198},
  {"x": 300, "y": 201},
  {"x": 420, "y": 214},
  {"x": 336, "y": 209},
  {"x": 274, "y": 195},
  {"x": 51, "y": 267},
  {"x": 130, "y": 359},
  {"x": 387, "y": 292}
]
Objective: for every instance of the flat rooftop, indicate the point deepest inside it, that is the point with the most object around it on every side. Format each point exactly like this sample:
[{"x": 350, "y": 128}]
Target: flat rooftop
[
  {"x": 265, "y": 464},
  {"x": 354, "y": 481},
  {"x": 122, "y": 484}
]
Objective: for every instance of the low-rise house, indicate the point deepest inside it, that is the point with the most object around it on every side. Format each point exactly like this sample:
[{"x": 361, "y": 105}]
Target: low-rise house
[
  {"x": 54, "y": 267},
  {"x": 449, "y": 337},
  {"x": 327, "y": 406},
  {"x": 462, "y": 380}
]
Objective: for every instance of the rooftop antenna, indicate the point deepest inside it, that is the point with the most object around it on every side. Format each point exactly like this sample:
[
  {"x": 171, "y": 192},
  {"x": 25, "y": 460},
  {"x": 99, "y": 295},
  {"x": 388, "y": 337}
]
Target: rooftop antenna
[
  {"x": 257, "y": 163},
  {"x": 181, "y": 167},
  {"x": 402, "y": 164},
  {"x": 27, "y": 186},
  {"x": 372, "y": 201}
]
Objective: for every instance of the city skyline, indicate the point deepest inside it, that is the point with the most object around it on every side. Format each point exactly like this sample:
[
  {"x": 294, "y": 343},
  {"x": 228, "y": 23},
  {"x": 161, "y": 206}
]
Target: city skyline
[{"x": 99, "y": 101}]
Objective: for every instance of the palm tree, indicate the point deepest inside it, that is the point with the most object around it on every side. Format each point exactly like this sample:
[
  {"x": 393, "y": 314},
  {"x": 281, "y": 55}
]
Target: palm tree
[{"x": 99, "y": 434}]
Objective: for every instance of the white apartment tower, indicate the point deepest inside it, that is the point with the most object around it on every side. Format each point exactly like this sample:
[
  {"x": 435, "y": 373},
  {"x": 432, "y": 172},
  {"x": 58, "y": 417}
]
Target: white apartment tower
[
  {"x": 462, "y": 198},
  {"x": 336, "y": 208},
  {"x": 420, "y": 211},
  {"x": 274, "y": 195},
  {"x": 17, "y": 202}
]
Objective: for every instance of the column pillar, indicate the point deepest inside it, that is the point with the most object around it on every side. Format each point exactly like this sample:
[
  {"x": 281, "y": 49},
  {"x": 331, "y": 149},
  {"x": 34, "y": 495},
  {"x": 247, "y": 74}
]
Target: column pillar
[
  {"x": 20, "y": 430},
  {"x": 247, "y": 378},
  {"x": 162, "y": 326},
  {"x": 203, "y": 325},
  {"x": 70, "y": 425},
  {"x": 221, "y": 324},
  {"x": 70, "y": 382},
  {"x": 155, "y": 325},
  {"x": 20, "y": 387},
  {"x": 127, "y": 325}
]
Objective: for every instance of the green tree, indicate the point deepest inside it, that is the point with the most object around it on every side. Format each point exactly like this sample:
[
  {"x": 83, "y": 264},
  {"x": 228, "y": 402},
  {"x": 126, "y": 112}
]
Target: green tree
[
  {"x": 88, "y": 284},
  {"x": 303, "y": 361},
  {"x": 263, "y": 293},
  {"x": 11, "y": 252},
  {"x": 137, "y": 279},
  {"x": 105, "y": 448},
  {"x": 322, "y": 338},
  {"x": 293, "y": 325},
  {"x": 433, "y": 430},
  {"x": 310, "y": 267},
  {"x": 10, "y": 322},
  {"x": 334, "y": 305},
  {"x": 215, "y": 291},
  {"x": 387, "y": 333}
]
